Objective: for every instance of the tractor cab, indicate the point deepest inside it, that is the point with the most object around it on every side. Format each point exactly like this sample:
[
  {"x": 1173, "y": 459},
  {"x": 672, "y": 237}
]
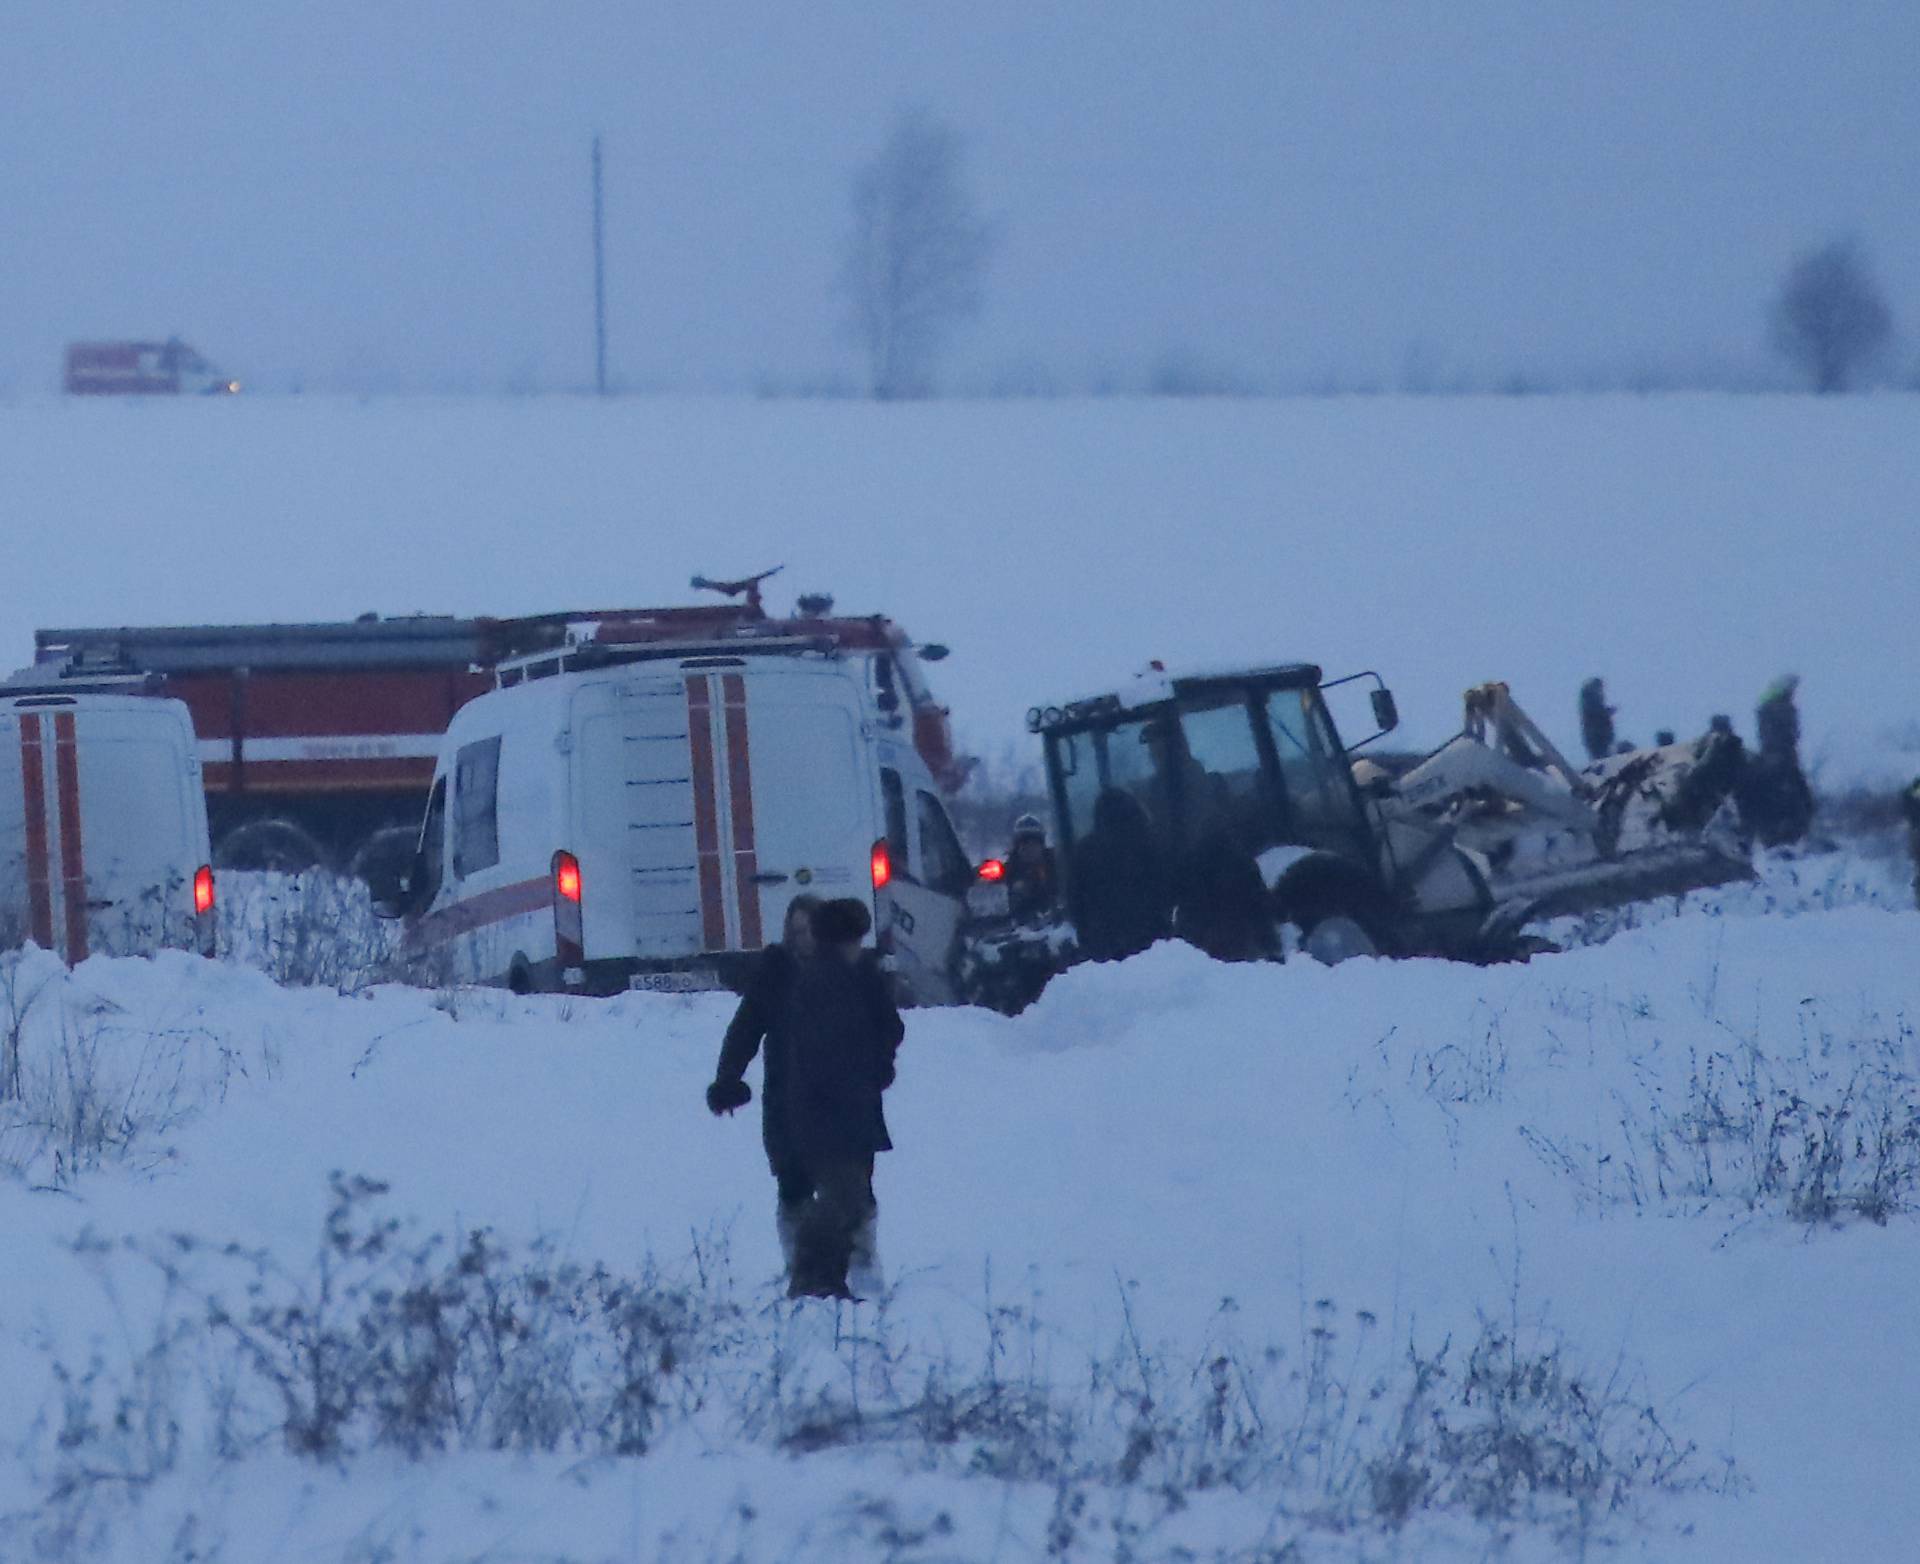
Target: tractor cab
[{"x": 1181, "y": 800}]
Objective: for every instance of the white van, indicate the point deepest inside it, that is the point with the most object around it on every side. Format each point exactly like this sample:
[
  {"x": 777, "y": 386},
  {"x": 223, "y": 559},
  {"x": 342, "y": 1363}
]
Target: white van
[
  {"x": 642, "y": 819},
  {"x": 103, "y": 825}
]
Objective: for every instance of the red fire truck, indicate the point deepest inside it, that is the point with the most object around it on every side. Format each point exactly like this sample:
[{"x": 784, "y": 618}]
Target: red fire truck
[
  {"x": 169, "y": 368},
  {"x": 317, "y": 741}
]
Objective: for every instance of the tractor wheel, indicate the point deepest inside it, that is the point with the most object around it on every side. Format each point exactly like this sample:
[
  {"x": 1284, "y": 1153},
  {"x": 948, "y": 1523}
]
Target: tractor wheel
[
  {"x": 1337, "y": 937},
  {"x": 1339, "y": 915}
]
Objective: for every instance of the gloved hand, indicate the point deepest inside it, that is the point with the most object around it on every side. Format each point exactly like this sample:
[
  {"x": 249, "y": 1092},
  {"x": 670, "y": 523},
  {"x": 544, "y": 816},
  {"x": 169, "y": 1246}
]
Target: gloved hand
[{"x": 725, "y": 1096}]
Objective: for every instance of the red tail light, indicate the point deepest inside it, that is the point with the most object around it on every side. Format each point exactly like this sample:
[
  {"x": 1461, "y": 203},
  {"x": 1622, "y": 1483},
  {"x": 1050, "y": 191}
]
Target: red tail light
[
  {"x": 993, "y": 871},
  {"x": 569, "y": 936},
  {"x": 203, "y": 890},
  {"x": 882, "y": 863}
]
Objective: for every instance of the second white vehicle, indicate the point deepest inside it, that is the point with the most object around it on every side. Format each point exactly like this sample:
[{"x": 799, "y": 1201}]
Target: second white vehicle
[
  {"x": 103, "y": 826},
  {"x": 642, "y": 818}
]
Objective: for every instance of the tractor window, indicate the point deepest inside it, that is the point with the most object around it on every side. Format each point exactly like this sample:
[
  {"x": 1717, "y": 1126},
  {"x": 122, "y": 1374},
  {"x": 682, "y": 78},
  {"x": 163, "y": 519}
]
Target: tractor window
[
  {"x": 1125, "y": 759},
  {"x": 1222, "y": 788},
  {"x": 898, "y": 845},
  {"x": 944, "y": 864},
  {"x": 1313, "y": 771},
  {"x": 476, "y": 797}
]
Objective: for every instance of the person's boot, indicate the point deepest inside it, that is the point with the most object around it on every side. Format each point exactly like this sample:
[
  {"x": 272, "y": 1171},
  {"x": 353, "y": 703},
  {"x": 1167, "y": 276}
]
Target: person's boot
[
  {"x": 817, "y": 1268},
  {"x": 865, "y": 1279},
  {"x": 786, "y": 1223}
]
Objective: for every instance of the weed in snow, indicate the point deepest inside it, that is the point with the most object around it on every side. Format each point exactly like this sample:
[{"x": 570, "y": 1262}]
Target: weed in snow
[
  {"x": 1821, "y": 1131},
  {"x": 390, "y": 1343}
]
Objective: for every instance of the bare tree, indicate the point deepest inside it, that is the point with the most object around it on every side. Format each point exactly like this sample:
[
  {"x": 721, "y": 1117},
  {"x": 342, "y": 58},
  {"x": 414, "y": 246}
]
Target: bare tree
[
  {"x": 1831, "y": 319},
  {"x": 916, "y": 255}
]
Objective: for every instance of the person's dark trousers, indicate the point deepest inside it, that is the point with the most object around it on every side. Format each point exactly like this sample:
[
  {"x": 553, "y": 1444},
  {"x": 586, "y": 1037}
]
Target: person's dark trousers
[
  {"x": 841, "y": 1206},
  {"x": 795, "y": 1194}
]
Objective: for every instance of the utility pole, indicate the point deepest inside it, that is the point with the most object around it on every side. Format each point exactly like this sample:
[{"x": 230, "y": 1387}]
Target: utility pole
[{"x": 599, "y": 279}]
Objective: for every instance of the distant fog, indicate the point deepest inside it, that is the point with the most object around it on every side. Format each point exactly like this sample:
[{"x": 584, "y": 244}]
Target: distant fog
[{"x": 1291, "y": 195}]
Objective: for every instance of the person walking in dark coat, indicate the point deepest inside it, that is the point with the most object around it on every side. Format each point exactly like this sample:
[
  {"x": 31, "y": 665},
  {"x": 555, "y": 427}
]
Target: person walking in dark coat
[
  {"x": 759, "y": 1025},
  {"x": 844, "y": 1033}
]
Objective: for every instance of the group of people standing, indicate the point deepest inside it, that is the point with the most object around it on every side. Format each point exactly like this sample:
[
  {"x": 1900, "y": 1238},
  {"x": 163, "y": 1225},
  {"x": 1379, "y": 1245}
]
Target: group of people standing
[{"x": 819, "y": 1009}]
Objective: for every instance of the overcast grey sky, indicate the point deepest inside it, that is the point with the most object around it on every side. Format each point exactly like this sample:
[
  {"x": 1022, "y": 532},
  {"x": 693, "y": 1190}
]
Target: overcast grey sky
[{"x": 367, "y": 194}]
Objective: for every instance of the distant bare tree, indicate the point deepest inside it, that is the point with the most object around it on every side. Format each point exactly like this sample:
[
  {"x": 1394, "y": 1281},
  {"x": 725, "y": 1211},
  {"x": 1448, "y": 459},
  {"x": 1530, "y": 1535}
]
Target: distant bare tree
[
  {"x": 916, "y": 256},
  {"x": 1831, "y": 319}
]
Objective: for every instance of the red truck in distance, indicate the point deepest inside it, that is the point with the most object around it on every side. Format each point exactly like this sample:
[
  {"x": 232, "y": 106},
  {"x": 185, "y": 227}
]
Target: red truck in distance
[{"x": 169, "y": 368}]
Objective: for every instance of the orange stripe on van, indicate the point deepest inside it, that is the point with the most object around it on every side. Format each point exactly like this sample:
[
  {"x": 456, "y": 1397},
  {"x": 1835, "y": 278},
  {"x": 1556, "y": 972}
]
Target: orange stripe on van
[
  {"x": 73, "y": 864},
  {"x": 706, "y": 814},
  {"x": 33, "y": 791},
  {"x": 477, "y": 912},
  {"x": 746, "y": 865}
]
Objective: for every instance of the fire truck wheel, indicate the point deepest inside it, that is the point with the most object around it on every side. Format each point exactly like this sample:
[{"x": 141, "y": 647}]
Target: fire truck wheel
[
  {"x": 520, "y": 977},
  {"x": 275, "y": 845}
]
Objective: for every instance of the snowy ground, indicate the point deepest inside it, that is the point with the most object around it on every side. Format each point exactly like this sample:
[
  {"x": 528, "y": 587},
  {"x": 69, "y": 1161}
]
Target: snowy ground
[
  {"x": 1409, "y": 1260},
  {"x": 1687, "y": 547},
  {"x": 1167, "y": 1177}
]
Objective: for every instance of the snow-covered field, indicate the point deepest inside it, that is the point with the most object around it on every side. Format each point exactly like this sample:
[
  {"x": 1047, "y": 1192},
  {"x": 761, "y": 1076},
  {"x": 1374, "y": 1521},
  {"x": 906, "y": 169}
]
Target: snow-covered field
[
  {"x": 1189, "y": 1261},
  {"x": 1687, "y": 547},
  {"x": 1383, "y": 1261}
]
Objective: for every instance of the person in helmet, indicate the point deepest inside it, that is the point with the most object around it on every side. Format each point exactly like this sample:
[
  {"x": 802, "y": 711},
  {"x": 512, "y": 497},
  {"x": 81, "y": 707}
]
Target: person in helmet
[{"x": 1032, "y": 879}]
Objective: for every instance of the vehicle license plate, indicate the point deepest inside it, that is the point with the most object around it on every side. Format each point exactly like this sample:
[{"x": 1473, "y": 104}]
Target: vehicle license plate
[{"x": 698, "y": 981}]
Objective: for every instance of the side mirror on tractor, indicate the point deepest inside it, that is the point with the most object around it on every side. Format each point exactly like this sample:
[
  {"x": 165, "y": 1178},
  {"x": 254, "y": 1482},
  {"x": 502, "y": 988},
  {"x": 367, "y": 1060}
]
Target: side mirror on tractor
[{"x": 1386, "y": 715}]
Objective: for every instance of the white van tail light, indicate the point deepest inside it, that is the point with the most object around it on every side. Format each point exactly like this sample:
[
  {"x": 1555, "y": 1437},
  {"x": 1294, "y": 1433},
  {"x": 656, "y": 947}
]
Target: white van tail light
[
  {"x": 569, "y": 941},
  {"x": 882, "y": 864},
  {"x": 203, "y": 907}
]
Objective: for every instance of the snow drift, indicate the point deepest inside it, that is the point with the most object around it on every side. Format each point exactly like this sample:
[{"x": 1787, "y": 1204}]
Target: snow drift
[{"x": 1170, "y": 1256}]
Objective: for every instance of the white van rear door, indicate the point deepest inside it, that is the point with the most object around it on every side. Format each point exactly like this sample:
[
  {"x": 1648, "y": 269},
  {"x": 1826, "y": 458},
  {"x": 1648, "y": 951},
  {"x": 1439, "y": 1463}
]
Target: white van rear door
[
  {"x": 26, "y": 894},
  {"x": 739, "y": 790},
  {"x": 110, "y": 828},
  {"x": 137, "y": 784},
  {"x": 802, "y": 804},
  {"x": 637, "y": 807}
]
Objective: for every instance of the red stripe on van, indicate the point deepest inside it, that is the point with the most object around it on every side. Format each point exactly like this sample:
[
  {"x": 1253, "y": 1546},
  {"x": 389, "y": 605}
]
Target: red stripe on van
[
  {"x": 33, "y": 790},
  {"x": 740, "y": 792},
  {"x": 73, "y": 864},
  {"x": 706, "y": 815},
  {"x": 476, "y": 912}
]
